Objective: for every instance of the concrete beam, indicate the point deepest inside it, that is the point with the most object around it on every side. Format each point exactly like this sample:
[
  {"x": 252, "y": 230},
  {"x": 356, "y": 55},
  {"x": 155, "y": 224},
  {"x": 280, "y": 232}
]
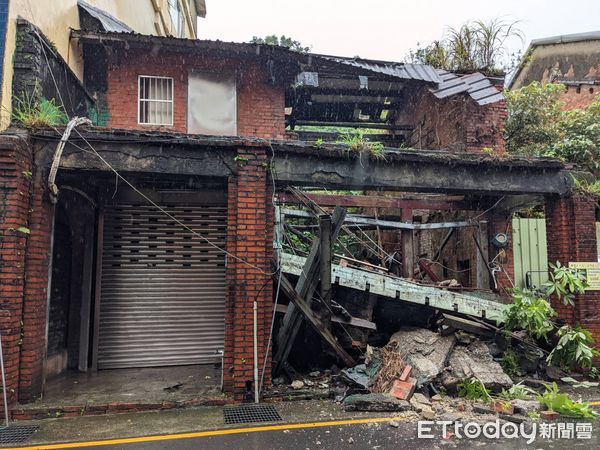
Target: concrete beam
[
  {"x": 153, "y": 158},
  {"x": 397, "y": 173}
]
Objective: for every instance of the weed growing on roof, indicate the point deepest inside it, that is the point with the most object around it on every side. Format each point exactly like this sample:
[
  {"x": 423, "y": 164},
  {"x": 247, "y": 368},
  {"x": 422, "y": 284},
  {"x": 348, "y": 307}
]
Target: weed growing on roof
[{"x": 356, "y": 141}]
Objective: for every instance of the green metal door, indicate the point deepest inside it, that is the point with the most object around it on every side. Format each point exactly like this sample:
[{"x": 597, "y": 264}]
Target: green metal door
[{"x": 530, "y": 252}]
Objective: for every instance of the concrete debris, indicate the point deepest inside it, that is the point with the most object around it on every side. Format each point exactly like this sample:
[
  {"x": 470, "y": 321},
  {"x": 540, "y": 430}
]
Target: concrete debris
[
  {"x": 428, "y": 413},
  {"x": 314, "y": 374},
  {"x": 297, "y": 384},
  {"x": 420, "y": 399},
  {"x": 375, "y": 403},
  {"x": 278, "y": 381},
  {"x": 475, "y": 360},
  {"x": 449, "y": 283},
  {"x": 357, "y": 376},
  {"x": 427, "y": 352},
  {"x": 526, "y": 406}
]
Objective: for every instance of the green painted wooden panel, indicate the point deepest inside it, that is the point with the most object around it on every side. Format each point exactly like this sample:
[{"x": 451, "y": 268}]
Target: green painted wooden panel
[{"x": 530, "y": 251}]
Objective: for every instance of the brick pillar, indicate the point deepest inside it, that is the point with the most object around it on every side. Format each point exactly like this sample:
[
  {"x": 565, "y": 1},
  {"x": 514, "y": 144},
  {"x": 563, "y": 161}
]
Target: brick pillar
[
  {"x": 37, "y": 266},
  {"x": 571, "y": 232},
  {"x": 250, "y": 231},
  {"x": 15, "y": 185}
]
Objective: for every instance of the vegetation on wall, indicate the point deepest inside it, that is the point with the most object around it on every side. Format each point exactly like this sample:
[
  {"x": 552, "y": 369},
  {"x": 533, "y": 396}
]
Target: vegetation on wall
[
  {"x": 475, "y": 46},
  {"x": 537, "y": 125},
  {"x": 282, "y": 41},
  {"x": 37, "y": 112}
]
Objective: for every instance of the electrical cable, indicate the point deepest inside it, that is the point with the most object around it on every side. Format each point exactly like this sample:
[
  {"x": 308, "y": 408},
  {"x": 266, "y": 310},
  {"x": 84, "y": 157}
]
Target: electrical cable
[{"x": 168, "y": 214}]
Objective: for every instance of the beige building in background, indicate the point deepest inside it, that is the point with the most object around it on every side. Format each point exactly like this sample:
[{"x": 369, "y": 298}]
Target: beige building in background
[{"x": 55, "y": 18}]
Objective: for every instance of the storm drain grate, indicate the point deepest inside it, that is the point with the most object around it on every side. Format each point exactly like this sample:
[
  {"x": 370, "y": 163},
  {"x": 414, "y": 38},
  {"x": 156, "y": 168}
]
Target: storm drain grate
[
  {"x": 16, "y": 434},
  {"x": 250, "y": 414}
]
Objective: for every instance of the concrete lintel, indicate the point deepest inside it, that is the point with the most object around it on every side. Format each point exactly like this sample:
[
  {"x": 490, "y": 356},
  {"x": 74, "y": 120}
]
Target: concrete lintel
[{"x": 405, "y": 175}]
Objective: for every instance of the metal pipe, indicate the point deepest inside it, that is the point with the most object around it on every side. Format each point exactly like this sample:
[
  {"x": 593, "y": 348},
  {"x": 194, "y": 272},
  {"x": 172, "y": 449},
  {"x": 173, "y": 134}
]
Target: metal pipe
[
  {"x": 3, "y": 383},
  {"x": 255, "y": 312}
]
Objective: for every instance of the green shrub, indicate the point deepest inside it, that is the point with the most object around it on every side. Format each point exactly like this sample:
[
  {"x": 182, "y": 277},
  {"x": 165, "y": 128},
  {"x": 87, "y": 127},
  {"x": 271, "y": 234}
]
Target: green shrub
[
  {"x": 565, "y": 283},
  {"x": 509, "y": 363},
  {"x": 529, "y": 312},
  {"x": 516, "y": 391},
  {"x": 562, "y": 404},
  {"x": 575, "y": 348}
]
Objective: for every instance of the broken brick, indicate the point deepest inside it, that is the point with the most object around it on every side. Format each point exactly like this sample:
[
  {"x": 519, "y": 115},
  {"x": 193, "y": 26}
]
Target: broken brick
[{"x": 404, "y": 390}]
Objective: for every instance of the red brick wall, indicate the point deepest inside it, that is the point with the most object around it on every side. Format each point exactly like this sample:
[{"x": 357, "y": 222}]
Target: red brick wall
[
  {"x": 24, "y": 258},
  {"x": 571, "y": 230},
  {"x": 260, "y": 105},
  {"x": 250, "y": 238},
  {"x": 578, "y": 97},
  {"x": 37, "y": 263},
  {"x": 15, "y": 163},
  {"x": 455, "y": 123}
]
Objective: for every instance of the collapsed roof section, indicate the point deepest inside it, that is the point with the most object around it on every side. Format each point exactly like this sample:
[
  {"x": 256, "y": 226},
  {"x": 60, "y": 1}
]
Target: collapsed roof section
[{"x": 325, "y": 90}]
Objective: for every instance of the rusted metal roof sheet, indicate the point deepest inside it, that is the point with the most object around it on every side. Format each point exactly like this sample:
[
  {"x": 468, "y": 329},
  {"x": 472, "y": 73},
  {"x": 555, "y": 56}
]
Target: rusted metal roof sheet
[
  {"x": 477, "y": 85},
  {"x": 420, "y": 72},
  {"x": 108, "y": 22}
]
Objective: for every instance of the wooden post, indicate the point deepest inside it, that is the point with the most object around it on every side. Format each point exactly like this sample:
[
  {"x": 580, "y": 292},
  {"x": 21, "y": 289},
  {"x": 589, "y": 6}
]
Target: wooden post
[
  {"x": 325, "y": 267},
  {"x": 305, "y": 288},
  {"x": 483, "y": 274},
  {"x": 408, "y": 254}
]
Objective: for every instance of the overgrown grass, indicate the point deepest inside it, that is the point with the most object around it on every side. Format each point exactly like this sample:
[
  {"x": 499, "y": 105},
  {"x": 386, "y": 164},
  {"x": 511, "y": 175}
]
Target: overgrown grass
[
  {"x": 356, "y": 141},
  {"x": 33, "y": 112}
]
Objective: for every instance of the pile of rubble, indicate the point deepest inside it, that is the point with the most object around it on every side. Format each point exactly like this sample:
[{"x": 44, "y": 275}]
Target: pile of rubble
[{"x": 418, "y": 370}]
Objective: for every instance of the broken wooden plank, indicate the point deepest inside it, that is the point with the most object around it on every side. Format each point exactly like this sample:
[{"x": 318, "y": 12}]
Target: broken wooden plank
[
  {"x": 478, "y": 304},
  {"x": 469, "y": 326},
  {"x": 314, "y": 321},
  {"x": 424, "y": 266},
  {"x": 353, "y": 321},
  {"x": 325, "y": 267},
  {"x": 305, "y": 288}
]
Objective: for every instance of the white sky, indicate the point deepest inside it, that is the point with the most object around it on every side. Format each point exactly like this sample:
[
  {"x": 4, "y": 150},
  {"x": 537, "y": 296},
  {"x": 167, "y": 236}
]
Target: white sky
[{"x": 387, "y": 29}]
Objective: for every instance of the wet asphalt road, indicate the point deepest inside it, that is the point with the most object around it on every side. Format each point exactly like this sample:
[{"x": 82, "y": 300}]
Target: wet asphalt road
[{"x": 358, "y": 436}]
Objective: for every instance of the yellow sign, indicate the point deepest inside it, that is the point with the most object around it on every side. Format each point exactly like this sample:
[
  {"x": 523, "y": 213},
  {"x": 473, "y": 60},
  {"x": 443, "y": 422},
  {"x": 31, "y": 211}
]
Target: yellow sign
[{"x": 591, "y": 271}]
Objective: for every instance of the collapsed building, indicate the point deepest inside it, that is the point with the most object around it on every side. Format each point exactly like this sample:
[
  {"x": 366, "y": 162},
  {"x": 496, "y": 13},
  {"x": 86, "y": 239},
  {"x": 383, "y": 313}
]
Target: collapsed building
[{"x": 157, "y": 235}]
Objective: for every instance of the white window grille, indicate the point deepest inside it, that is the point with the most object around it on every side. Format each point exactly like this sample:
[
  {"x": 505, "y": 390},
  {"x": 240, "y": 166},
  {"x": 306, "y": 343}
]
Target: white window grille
[{"x": 155, "y": 100}]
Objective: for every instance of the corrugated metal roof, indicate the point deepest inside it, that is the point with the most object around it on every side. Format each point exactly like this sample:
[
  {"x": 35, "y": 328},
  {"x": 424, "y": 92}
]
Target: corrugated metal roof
[
  {"x": 477, "y": 85},
  {"x": 576, "y": 37},
  {"x": 420, "y": 72},
  {"x": 108, "y": 22}
]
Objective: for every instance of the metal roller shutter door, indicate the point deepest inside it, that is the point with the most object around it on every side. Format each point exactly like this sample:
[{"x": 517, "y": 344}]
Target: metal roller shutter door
[{"x": 163, "y": 289}]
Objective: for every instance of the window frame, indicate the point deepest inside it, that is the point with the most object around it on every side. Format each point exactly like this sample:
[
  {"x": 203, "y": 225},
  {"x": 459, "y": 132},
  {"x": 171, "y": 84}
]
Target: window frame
[
  {"x": 234, "y": 75},
  {"x": 179, "y": 21},
  {"x": 140, "y": 100}
]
